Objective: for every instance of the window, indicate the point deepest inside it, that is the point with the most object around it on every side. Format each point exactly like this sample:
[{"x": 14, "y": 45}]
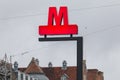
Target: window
[
  {"x": 26, "y": 77},
  {"x": 21, "y": 76},
  {"x": 31, "y": 78},
  {"x": 35, "y": 79}
]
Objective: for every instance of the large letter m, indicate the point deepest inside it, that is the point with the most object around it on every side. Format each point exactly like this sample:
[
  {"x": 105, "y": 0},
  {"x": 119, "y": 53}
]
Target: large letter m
[
  {"x": 58, "y": 28},
  {"x": 54, "y": 16}
]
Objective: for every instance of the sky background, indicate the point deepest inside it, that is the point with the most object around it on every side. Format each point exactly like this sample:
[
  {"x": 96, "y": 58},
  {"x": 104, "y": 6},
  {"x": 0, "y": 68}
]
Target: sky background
[{"x": 98, "y": 22}]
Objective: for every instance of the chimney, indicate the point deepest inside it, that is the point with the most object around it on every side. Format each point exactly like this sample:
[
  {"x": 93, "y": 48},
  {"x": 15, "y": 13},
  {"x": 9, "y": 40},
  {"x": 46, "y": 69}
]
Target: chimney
[
  {"x": 64, "y": 65},
  {"x": 50, "y": 65},
  {"x": 37, "y": 61},
  {"x": 15, "y": 66}
]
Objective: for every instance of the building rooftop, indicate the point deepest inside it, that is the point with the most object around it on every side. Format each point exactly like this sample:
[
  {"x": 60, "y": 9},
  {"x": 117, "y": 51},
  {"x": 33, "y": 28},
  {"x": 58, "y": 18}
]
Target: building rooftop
[{"x": 33, "y": 67}]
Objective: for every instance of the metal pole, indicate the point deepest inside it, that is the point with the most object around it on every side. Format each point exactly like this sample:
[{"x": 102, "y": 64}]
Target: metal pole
[
  {"x": 5, "y": 66},
  {"x": 79, "y": 58},
  {"x": 11, "y": 67}
]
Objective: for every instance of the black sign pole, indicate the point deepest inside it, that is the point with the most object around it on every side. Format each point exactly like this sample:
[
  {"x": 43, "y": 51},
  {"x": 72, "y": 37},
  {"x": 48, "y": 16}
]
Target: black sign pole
[
  {"x": 79, "y": 58},
  {"x": 79, "y": 51}
]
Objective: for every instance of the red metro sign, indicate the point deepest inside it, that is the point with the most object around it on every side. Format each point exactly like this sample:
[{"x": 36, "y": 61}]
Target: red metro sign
[{"x": 55, "y": 26}]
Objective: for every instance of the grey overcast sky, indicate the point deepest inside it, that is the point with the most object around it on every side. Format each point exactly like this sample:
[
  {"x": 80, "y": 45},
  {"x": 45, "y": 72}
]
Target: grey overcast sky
[{"x": 98, "y": 21}]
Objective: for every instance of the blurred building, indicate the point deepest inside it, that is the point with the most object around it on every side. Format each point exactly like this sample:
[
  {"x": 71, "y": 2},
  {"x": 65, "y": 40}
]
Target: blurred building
[
  {"x": 94, "y": 74},
  {"x": 34, "y": 72},
  {"x": 63, "y": 72}
]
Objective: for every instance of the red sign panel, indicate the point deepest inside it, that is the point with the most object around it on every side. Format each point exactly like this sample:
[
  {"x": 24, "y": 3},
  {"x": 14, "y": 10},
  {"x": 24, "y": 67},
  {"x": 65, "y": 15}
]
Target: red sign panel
[{"x": 55, "y": 25}]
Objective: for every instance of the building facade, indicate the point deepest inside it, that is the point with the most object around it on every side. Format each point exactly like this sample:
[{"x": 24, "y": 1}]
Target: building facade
[
  {"x": 34, "y": 72},
  {"x": 94, "y": 74},
  {"x": 61, "y": 73}
]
